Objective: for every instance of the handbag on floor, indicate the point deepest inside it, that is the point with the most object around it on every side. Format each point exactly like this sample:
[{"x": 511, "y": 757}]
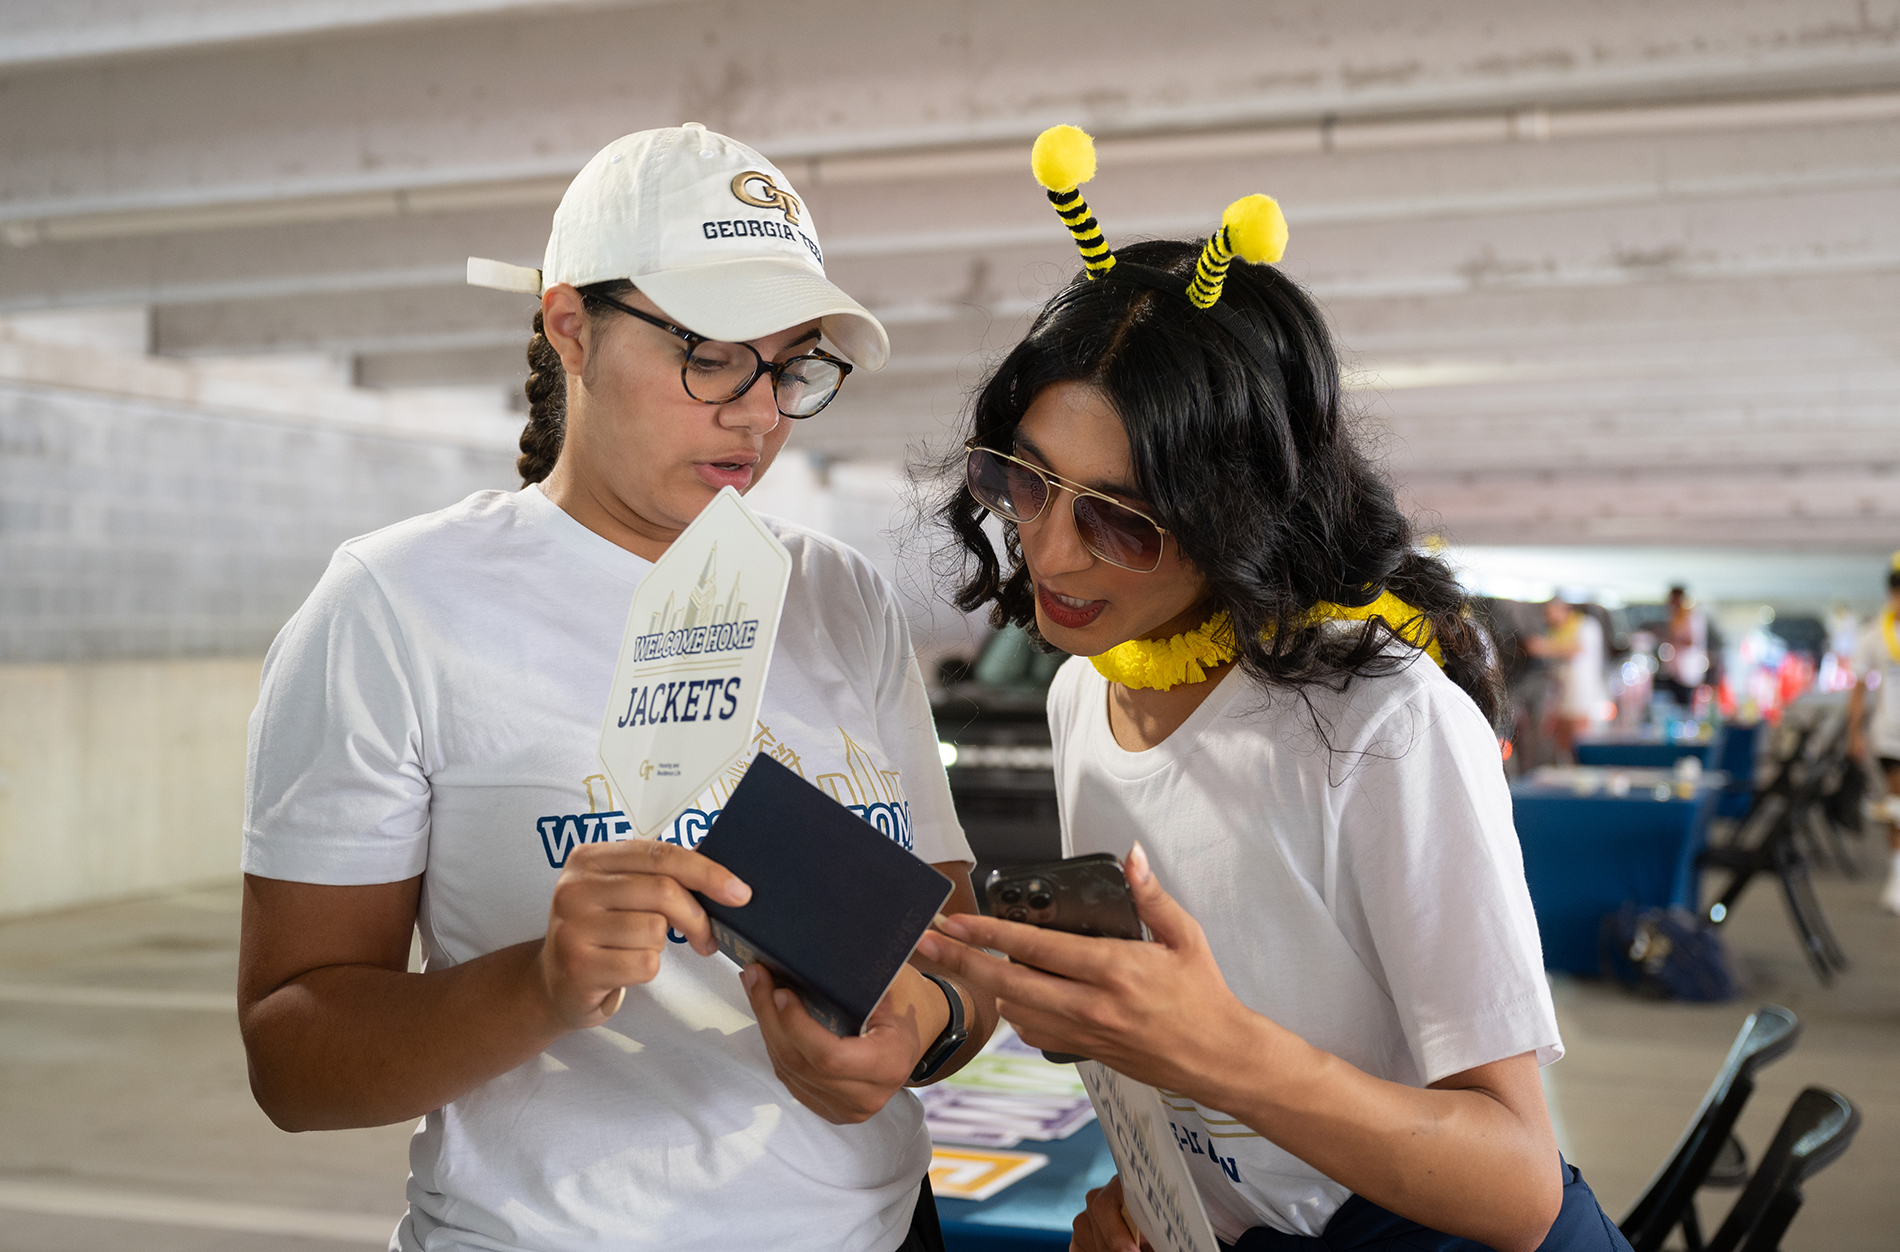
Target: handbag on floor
[{"x": 1665, "y": 954}]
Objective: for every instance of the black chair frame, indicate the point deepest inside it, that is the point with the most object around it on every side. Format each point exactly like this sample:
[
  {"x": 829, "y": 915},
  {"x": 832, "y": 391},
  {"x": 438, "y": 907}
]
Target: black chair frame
[
  {"x": 1768, "y": 1035},
  {"x": 1769, "y": 841},
  {"x": 1817, "y": 1130}
]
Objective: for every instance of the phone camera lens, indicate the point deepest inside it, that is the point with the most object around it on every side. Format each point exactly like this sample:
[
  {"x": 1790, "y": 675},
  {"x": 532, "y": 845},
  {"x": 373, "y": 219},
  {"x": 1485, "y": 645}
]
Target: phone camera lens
[
  {"x": 1040, "y": 899},
  {"x": 1017, "y": 914},
  {"x": 1010, "y": 895}
]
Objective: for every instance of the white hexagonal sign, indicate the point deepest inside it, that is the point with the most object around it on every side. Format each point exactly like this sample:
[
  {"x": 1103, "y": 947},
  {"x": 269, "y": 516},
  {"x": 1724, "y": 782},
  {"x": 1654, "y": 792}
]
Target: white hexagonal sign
[{"x": 693, "y": 661}]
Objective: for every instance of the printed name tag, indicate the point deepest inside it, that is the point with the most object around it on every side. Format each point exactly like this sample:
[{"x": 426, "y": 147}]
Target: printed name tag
[{"x": 693, "y": 661}]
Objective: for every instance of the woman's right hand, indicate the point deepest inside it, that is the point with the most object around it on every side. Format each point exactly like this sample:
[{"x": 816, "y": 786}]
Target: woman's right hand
[
  {"x": 1101, "y": 1227},
  {"x": 607, "y": 924}
]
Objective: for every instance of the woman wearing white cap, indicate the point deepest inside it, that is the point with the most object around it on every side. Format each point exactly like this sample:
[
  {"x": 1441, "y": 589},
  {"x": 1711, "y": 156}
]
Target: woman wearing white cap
[{"x": 425, "y": 739}]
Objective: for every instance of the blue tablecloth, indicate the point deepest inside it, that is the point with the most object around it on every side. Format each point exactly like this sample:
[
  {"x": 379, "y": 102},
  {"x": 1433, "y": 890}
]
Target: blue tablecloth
[
  {"x": 1640, "y": 753},
  {"x": 1035, "y": 1214},
  {"x": 1584, "y": 856}
]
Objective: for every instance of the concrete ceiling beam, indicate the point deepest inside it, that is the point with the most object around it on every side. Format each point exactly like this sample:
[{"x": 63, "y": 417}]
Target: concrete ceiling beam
[
  {"x": 1412, "y": 168},
  {"x": 397, "y": 319},
  {"x": 1870, "y": 493},
  {"x": 411, "y": 106},
  {"x": 44, "y": 34},
  {"x": 396, "y": 367}
]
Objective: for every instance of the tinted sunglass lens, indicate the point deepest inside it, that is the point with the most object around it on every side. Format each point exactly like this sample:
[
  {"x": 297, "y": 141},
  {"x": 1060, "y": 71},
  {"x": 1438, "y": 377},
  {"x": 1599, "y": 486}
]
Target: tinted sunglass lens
[
  {"x": 1117, "y": 535},
  {"x": 1005, "y": 487}
]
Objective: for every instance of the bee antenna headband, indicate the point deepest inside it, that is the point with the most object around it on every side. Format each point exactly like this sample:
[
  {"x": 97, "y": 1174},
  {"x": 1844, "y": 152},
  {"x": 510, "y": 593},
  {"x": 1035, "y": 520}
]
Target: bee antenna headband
[{"x": 1252, "y": 228}]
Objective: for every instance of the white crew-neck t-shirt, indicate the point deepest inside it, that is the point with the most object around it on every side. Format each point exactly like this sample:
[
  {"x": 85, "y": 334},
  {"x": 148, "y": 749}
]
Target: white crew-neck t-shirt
[
  {"x": 434, "y": 708},
  {"x": 1872, "y": 655},
  {"x": 1370, "y": 899}
]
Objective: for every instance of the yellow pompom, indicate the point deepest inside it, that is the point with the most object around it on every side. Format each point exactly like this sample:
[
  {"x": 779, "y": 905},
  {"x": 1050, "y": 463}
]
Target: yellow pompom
[
  {"x": 1256, "y": 229},
  {"x": 1063, "y": 158},
  {"x": 1896, "y": 562}
]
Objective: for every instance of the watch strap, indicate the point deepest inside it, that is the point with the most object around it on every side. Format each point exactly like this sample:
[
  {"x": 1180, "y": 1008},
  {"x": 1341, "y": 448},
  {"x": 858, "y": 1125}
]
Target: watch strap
[{"x": 949, "y": 1039}]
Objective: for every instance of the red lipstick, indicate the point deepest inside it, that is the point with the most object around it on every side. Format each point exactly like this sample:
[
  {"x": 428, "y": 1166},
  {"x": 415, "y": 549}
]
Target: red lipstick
[{"x": 1067, "y": 616}]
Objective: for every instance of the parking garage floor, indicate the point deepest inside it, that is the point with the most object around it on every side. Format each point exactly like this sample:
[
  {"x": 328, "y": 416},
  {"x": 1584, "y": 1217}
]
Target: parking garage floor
[{"x": 128, "y": 1123}]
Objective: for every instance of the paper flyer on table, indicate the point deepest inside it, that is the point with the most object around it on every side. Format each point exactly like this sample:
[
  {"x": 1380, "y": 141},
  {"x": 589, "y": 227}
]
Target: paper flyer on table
[
  {"x": 973, "y": 1174},
  {"x": 693, "y": 660},
  {"x": 1157, "y": 1189},
  {"x": 1005, "y": 1094}
]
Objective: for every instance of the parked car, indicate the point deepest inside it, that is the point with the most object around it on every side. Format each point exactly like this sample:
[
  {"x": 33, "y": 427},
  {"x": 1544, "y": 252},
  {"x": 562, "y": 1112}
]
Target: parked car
[{"x": 993, "y": 732}]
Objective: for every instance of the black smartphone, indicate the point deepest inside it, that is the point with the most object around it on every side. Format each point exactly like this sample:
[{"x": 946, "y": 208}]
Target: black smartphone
[{"x": 1084, "y": 895}]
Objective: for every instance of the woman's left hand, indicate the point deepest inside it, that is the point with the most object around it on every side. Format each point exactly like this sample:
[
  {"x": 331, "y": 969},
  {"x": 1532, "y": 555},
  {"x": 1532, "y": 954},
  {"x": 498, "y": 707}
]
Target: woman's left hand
[
  {"x": 1158, "y": 1012},
  {"x": 846, "y": 1081}
]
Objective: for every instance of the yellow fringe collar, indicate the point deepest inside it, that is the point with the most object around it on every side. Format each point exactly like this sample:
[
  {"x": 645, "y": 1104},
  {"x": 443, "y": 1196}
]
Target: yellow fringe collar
[
  {"x": 1186, "y": 658},
  {"x": 1165, "y": 663}
]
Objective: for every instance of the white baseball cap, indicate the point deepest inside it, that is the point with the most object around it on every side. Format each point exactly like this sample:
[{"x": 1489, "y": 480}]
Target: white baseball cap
[{"x": 710, "y": 230}]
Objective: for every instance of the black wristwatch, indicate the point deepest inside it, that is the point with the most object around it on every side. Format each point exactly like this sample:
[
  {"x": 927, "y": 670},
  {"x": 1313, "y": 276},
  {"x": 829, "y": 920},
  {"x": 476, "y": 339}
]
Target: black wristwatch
[{"x": 954, "y": 1033}]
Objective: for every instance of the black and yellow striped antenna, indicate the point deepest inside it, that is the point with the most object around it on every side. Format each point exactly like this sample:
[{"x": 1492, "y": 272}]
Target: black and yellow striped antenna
[
  {"x": 1062, "y": 160},
  {"x": 1252, "y": 228}
]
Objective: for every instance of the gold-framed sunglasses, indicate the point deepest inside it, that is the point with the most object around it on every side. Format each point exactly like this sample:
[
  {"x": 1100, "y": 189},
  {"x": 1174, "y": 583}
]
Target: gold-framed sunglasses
[{"x": 1019, "y": 492}]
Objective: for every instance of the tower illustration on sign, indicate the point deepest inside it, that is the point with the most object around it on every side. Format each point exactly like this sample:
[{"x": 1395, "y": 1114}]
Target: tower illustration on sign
[{"x": 700, "y": 609}]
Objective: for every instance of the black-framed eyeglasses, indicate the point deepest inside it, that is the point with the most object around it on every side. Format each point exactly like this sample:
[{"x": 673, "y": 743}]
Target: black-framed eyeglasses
[
  {"x": 716, "y": 372},
  {"x": 1019, "y": 492}
]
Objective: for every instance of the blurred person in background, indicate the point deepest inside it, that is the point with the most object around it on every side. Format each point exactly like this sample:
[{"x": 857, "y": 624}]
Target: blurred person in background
[
  {"x": 1683, "y": 651},
  {"x": 1529, "y": 685},
  {"x": 1574, "y": 641},
  {"x": 1877, "y": 662}
]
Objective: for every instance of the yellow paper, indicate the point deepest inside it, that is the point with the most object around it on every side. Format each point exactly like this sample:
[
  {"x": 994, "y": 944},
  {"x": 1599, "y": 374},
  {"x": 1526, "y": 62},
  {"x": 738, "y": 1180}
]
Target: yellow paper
[{"x": 978, "y": 1173}]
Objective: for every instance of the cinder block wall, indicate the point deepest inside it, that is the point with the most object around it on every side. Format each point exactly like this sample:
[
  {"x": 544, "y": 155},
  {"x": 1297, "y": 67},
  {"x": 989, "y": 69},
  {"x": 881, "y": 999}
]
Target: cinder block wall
[
  {"x": 132, "y": 527},
  {"x": 149, "y": 552}
]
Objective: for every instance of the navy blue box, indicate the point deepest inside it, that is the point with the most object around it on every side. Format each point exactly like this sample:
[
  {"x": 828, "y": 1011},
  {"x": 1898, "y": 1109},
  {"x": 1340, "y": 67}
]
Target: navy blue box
[{"x": 836, "y": 907}]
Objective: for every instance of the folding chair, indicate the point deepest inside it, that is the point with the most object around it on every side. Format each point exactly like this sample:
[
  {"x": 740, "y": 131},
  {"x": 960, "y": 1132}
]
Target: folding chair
[
  {"x": 1818, "y": 1128},
  {"x": 1708, "y": 1143},
  {"x": 1769, "y": 838}
]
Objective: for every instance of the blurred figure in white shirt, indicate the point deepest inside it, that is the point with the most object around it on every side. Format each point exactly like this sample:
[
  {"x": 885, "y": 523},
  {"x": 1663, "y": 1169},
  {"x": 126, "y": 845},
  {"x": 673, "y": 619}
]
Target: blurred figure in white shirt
[
  {"x": 1575, "y": 639},
  {"x": 1877, "y": 662}
]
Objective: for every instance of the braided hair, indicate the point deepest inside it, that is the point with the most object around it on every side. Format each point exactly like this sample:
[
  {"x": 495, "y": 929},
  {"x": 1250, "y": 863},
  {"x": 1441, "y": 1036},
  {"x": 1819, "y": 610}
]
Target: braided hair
[{"x": 546, "y": 388}]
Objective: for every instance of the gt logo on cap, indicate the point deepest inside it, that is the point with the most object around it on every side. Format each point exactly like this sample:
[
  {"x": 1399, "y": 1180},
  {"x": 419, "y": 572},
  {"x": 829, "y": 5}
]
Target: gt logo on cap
[{"x": 775, "y": 197}]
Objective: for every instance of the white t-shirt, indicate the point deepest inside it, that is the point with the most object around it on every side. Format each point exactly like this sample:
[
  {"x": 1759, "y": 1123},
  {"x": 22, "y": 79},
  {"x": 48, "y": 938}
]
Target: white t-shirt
[
  {"x": 1370, "y": 899},
  {"x": 1873, "y": 656},
  {"x": 1584, "y": 690},
  {"x": 434, "y": 708}
]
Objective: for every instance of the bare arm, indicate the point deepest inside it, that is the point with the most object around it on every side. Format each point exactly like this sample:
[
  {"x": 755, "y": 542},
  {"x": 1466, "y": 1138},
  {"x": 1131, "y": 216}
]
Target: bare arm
[
  {"x": 1472, "y": 1155},
  {"x": 339, "y": 1034},
  {"x": 1857, "y": 720},
  {"x": 979, "y": 1006},
  {"x": 1549, "y": 649}
]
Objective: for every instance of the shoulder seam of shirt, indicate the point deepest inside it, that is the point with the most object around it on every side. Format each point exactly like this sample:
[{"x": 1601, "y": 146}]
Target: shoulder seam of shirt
[
  {"x": 395, "y": 618},
  {"x": 434, "y": 515}
]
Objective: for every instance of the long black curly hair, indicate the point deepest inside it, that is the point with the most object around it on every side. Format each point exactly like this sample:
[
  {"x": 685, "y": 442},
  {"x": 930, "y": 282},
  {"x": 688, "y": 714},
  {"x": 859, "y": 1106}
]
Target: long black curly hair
[{"x": 1247, "y": 459}]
